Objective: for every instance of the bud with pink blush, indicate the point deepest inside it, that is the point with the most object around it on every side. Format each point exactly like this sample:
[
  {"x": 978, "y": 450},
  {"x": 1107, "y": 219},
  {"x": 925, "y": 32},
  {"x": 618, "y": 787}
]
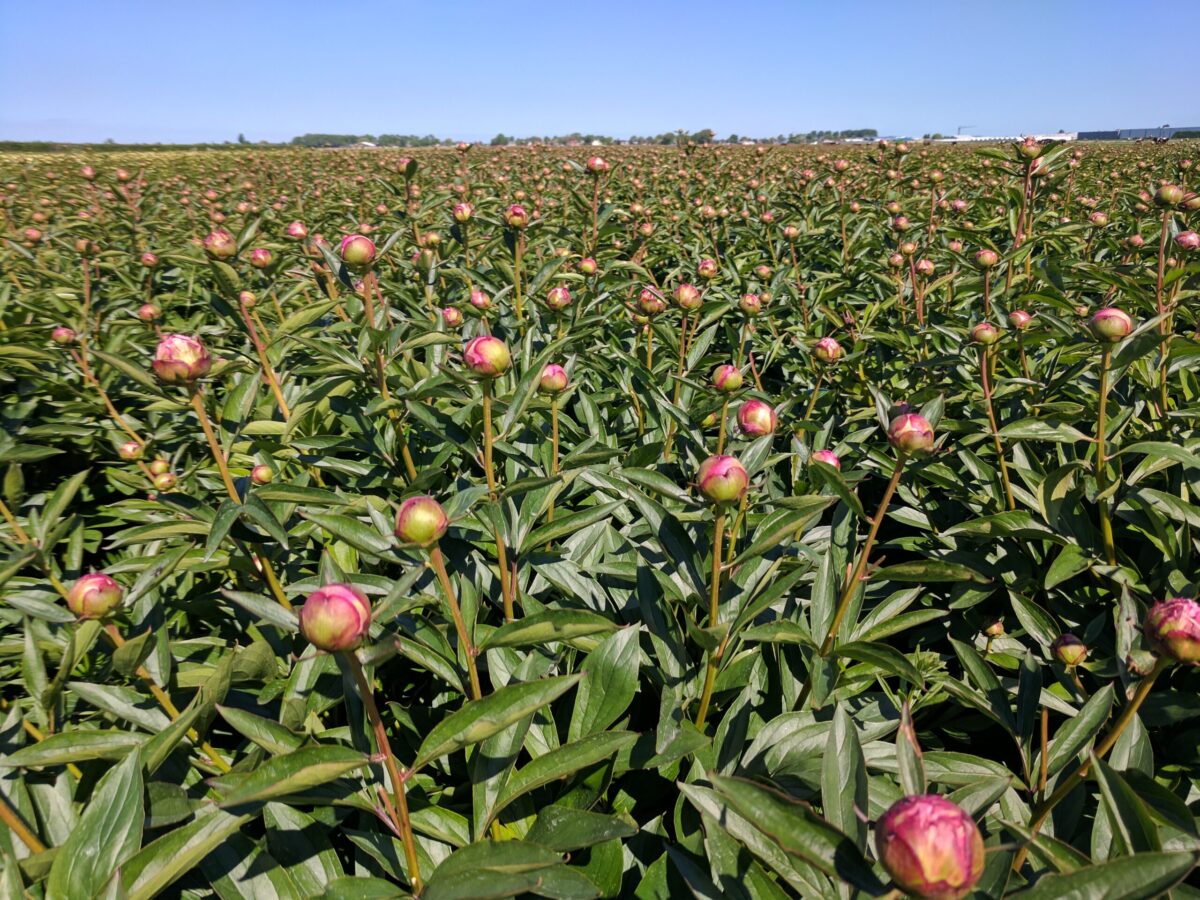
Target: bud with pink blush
[
  {"x": 911, "y": 434},
  {"x": 756, "y": 418},
  {"x": 722, "y": 479},
  {"x": 94, "y": 596},
  {"x": 421, "y": 521},
  {"x": 828, "y": 457},
  {"x": 486, "y": 356},
  {"x": 336, "y": 617},
  {"x": 554, "y": 379},
  {"x": 1173, "y": 628},
  {"x": 932, "y": 849},
  {"x": 181, "y": 359},
  {"x": 1111, "y": 324}
]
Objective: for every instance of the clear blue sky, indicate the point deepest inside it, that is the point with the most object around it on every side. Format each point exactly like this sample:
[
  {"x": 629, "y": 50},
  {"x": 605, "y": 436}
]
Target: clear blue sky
[{"x": 183, "y": 70}]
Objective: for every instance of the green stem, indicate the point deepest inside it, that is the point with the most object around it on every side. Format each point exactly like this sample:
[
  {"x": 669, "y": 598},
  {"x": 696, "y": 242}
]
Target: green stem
[
  {"x": 469, "y": 649},
  {"x": 714, "y": 612},
  {"x": 506, "y": 589},
  {"x": 991, "y": 413},
  {"x": 1106, "y": 531}
]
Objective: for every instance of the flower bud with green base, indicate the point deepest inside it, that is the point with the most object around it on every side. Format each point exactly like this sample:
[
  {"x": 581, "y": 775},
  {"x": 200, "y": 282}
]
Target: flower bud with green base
[
  {"x": 130, "y": 450},
  {"x": 63, "y": 335},
  {"x": 516, "y": 216},
  {"x": 220, "y": 244},
  {"x": 158, "y": 466},
  {"x": 722, "y": 479},
  {"x": 1019, "y": 319},
  {"x": 828, "y": 457},
  {"x": 94, "y": 596},
  {"x": 554, "y": 380},
  {"x": 1173, "y": 629},
  {"x": 480, "y": 300},
  {"x": 149, "y": 312},
  {"x": 911, "y": 434},
  {"x": 297, "y": 231},
  {"x": 335, "y": 617},
  {"x": 756, "y": 418},
  {"x": 931, "y": 847},
  {"x": 558, "y": 298},
  {"x": 357, "y": 252},
  {"x": 1168, "y": 196},
  {"x": 985, "y": 333},
  {"x": 1069, "y": 650},
  {"x": 181, "y": 359},
  {"x": 1111, "y": 324},
  {"x": 687, "y": 297},
  {"x": 985, "y": 258},
  {"x": 260, "y": 257},
  {"x": 1188, "y": 240},
  {"x": 452, "y": 317},
  {"x": 587, "y": 266},
  {"x": 727, "y": 378},
  {"x": 421, "y": 521},
  {"x": 164, "y": 481},
  {"x": 487, "y": 357},
  {"x": 262, "y": 474},
  {"x": 149, "y": 260},
  {"x": 828, "y": 350},
  {"x": 708, "y": 269},
  {"x": 463, "y": 213},
  {"x": 750, "y": 305}
]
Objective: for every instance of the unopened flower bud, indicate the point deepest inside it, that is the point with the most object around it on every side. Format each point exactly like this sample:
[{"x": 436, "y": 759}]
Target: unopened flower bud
[
  {"x": 463, "y": 212},
  {"x": 707, "y": 269},
  {"x": 1111, "y": 324},
  {"x": 985, "y": 333},
  {"x": 587, "y": 266},
  {"x": 828, "y": 457},
  {"x": 727, "y": 378},
  {"x": 159, "y": 466},
  {"x": 94, "y": 596},
  {"x": 260, "y": 257},
  {"x": 1188, "y": 240},
  {"x": 421, "y": 521},
  {"x": 480, "y": 300},
  {"x": 558, "y": 298},
  {"x": 1069, "y": 650},
  {"x": 63, "y": 335},
  {"x": 262, "y": 474},
  {"x": 828, "y": 350},
  {"x": 179, "y": 358},
  {"x": 149, "y": 260},
  {"x": 756, "y": 418},
  {"x": 335, "y": 617},
  {"x": 357, "y": 252},
  {"x": 722, "y": 479},
  {"x": 911, "y": 434},
  {"x": 931, "y": 847},
  {"x": 149, "y": 312},
  {"x": 220, "y": 244},
  {"x": 297, "y": 231},
  {"x": 487, "y": 356},
  {"x": 1167, "y": 196},
  {"x": 1019, "y": 319},
  {"x": 1173, "y": 628},
  {"x": 596, "y": 165},
  {"x": 986, "y": 258},
  {"x": 516, "y": 216},
  {"x": 164, "y": 481},
  {"x": 553, "y": 380},
  {"x": 750, "y": 304},
  {"x": 687, "y": 297},
  {"x": 130, "y": 450}
]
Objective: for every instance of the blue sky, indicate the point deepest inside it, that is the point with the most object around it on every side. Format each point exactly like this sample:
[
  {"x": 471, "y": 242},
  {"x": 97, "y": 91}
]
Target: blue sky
[{"x": 193, "y": 71}]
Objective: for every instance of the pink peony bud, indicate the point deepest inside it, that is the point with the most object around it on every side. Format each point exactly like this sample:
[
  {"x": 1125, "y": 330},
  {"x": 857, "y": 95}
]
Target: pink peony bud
[
  {"x": 596, "y": 165},
  {"x": 727, "y": 378},
  {"x": 463, "y": 212},
  {"x": 164, "y": 481},
  {"x": 130, "y": 450},
  {"x": 924, "y": 267},
  {"x": 487, "y": 356},
  {"x": 1173, "y": 627},
  {"x": 828, "y": 350},
  {"x": 149, "y": 260},
  {"x": 1069, "y": 650},
  {"x": 516, "y": 216},
  {"x": 1135, "y": 241},
  {"x": 1168, "y": 195},
  {"x": 1019, "y": 319},
  {"x": 985, "y": 333},
  {"x": 357, "y": 252},
  {"x": 159, "y": 466},
  {"x": 687, "y": 297},
  {"x": 828, "y": 457},
  {"x": 587, "y": 266},
  {"x": 930, "y": 847},
  {"x": 220, "y": 244},
  {"x": 335, "y": 617},
  {"x": 149, "y": 312},
  {"x": 297, "y": 231},
  {"x": 750, "y": 304},
  {"x": 1099, "y": 219},
  {"x": 452, "y": 317},
  {"x": 895, "y": 261},
  {"x": 63, "y": 335},
  {"x": 260, "y": 257},
  {"x": 650, "y": 302},
  {"x": 262, "y": 474},
  {"x": 911, "y": 434},
  {"x": 1188, "y": 240},
  {"x": 722, "y": 479},
  {"x": 554, "y": 379},
  {"x": 421, "y": 521},
  {"x": 985, "y": 258},
  {"x": 88, "y": 173},
  {"x": 94, "y": 596},
  {"x": 558, "y": 298},
  {"x": 791, "y": 232},
  {"x": 1111, "y": 324},
  {"x": 756, "y": 418},
  {"x": 480, "y": 300},
  {"x": 180, "y": 358},
  {"x": 900, "y": 223},
  {"x": 707, "y": 269}
]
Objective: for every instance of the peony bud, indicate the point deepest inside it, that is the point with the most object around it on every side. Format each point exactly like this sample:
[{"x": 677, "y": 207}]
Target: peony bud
[
  {"x": 463, "y": 212},
  {"x": 94, "y": 596},
  {"x": 180, "y": 358},
  {"x": 357, "y": 252},
  {"x": 421, "y": 521},
  {"x": 335, "y": 617},
  {"x": 149, "y": 312},
  {"x": 756, "y": 418},
  {"x": 164, "y": 481},
  {"x": 828, "y": 350},
  {"x": 1188, "y": 240},
  {"x": 750, "y": 304},
  {"x": 722, "y": 479},
  {"x": 1111, "y": 324},
  {"x": 220, "y": 244},
  {"x": 924, "y": 267},
  {"x": 516, "y": 216},
  {"x": 63, "y": 335},
  {"x": 985, "y": 333},
  {"x": 707, "y": 269},
  {"x": 1069, "y": 650},
  {"x": 727, "y": 378},
  {"x": 554, "y": 379},
  {"x": 1168, "y": 195},
  {"x": 480, "y": 300},
  {"x": 130, "y": 450},
  {"x": 1173, "y": 627},
  {"x": 297, "y": 231},
  {"x": 930, "y": 847},
  {"x": 985, "y": 258},
  {"x": 558, "y": 298},
  {"x": 1098, "y": 219},
  {"x": 159, "y": 466},
  {"x": 1019, "y": 319},
  {"x": 587, "y": 266},
  {"x": 911, "y": 434},
  {"x": 260, "y": 257},
  {"x": 149, "y": 260},
  {"x": 596, "y": 165},
  {"x": 262, "y": 474},
  {"x": 828, "y": 457},
  {"x": 487, "y": 356},
  {"x": 687, "y": 297}
]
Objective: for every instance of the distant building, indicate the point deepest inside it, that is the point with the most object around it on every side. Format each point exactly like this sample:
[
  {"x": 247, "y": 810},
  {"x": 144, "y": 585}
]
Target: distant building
[
  {"x": 1137, "y": 134},
  {"x": 364, "y": 145}
]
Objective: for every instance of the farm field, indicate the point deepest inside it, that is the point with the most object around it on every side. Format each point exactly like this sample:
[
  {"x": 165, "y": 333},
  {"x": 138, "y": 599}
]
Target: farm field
[{"x": 633, "y": 521}]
